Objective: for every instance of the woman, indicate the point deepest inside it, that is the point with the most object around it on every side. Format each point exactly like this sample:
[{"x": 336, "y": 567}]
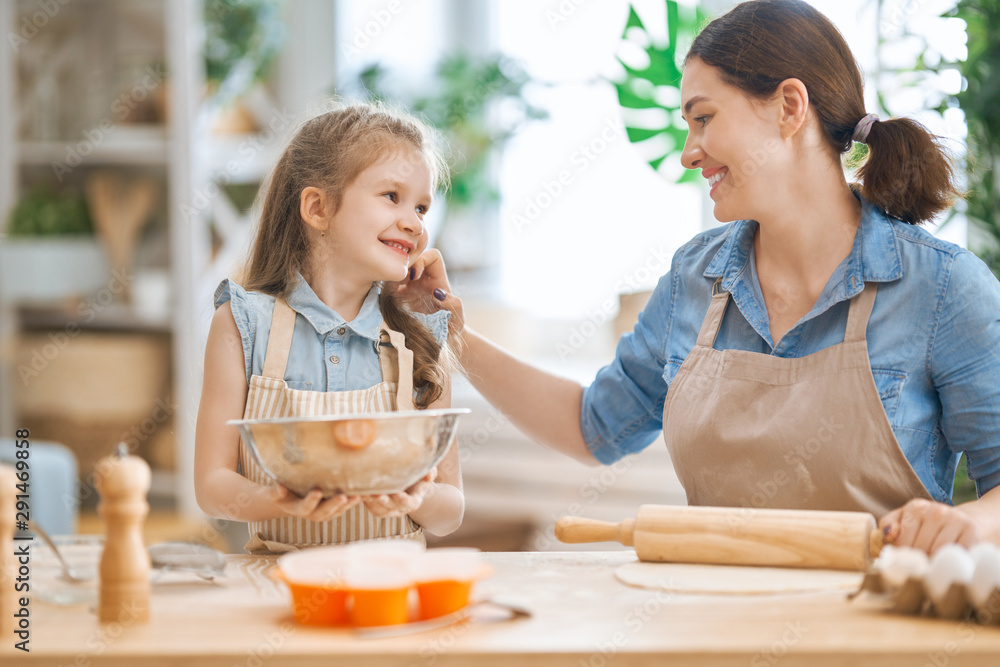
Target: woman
[{"x": 819, "y": 352}]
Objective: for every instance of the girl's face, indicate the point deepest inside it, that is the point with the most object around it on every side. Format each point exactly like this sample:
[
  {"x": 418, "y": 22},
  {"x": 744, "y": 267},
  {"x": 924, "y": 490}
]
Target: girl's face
[
  {"x": 735, "y": 142},
  {"x": 378, "y": 232}
]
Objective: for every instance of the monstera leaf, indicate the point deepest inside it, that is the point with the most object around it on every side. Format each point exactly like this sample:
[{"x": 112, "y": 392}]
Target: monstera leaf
[{"x": 650, "y": 97}]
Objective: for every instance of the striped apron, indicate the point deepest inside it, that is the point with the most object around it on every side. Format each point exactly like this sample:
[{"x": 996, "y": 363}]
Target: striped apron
[{"x": 269, "y": 397}]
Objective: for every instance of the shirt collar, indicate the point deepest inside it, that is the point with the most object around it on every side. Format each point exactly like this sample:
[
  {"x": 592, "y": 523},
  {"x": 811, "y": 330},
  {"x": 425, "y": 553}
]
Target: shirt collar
[
  {"x": 874, "y": 257},
  {"x": 324, "y": 319}
]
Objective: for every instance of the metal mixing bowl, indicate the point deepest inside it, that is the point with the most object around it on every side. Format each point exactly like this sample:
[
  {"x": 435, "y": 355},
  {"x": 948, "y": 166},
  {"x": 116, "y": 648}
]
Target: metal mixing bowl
[{"x": 367, "y": 454}]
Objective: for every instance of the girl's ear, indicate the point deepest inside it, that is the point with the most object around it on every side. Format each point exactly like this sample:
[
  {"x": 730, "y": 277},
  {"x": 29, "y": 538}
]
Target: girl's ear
[
  {"x": 793, "y": 99},
  {"x": 314, "y": 207}
]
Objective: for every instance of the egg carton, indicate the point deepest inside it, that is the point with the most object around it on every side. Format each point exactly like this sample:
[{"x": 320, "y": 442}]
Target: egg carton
[{"x": 951, "y": 585}]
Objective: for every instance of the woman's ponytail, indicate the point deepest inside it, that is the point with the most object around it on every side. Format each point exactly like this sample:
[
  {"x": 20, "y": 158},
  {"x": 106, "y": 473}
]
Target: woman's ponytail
[{"x": 908, "y": 174}]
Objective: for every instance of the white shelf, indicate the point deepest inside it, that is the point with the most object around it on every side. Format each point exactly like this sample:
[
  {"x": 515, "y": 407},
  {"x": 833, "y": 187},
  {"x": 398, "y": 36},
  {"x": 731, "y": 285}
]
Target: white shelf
[{"x": 119, "y": 146}]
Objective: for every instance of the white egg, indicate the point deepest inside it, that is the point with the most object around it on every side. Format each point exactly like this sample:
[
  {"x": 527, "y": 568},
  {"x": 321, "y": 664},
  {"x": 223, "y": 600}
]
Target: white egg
[
  {"x": 950, "y": 564},
  {"x": 897, "y": 564},
  {"x": 986, "y": 573}
]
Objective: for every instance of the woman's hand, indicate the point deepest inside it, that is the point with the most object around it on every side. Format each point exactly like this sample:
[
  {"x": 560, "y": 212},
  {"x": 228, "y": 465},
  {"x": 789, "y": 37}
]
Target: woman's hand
[
  {"x": 397, "y": 504},
  {"x": 928, "y": 525},
  {"x": 312, "y": 506},
  {"x": 427, "y": 290}
]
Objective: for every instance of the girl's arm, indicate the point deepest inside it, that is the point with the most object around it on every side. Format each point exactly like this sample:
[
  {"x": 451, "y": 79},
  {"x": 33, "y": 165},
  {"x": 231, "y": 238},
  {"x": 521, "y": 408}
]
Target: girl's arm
[
  {"x": 544, "y": 406},
  {"x": 219, "y": 489},
  {"x": 437, "y": 504}
]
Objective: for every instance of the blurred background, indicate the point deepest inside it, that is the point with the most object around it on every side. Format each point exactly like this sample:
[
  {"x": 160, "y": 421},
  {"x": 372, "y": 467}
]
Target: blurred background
[{"x": 136, "y": 133}]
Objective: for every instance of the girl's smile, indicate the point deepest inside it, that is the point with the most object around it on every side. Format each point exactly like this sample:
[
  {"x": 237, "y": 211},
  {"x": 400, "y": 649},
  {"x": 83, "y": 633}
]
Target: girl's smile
[{"x": 378, "y": 229}]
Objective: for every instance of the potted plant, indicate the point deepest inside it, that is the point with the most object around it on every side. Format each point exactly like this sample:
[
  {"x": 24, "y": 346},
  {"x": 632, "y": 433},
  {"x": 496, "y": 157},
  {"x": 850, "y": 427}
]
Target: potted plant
[
  {"x": 657, "y": 87},
  {"x": 50, "y": 251},
  {"x": 242, "y": 40}
]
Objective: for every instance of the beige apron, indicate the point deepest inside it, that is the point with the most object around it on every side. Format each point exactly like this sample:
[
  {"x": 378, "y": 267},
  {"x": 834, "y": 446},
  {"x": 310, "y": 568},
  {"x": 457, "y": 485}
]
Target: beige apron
[
  {"x": 751, "y": 430},
  {"x": 270, "y": 397}
]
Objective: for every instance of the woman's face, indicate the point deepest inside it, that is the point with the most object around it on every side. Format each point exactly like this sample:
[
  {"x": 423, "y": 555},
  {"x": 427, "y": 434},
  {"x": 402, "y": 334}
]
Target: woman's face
[{"x": 735, "y": 142}]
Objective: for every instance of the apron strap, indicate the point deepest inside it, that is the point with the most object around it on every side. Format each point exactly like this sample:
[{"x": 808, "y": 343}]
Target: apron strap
[
  {"x": 279, "y": 340},
  {"x": 402, "y": 369},
  {"x": 713, "y": 318},
  {"x": 859, "y": 312}
]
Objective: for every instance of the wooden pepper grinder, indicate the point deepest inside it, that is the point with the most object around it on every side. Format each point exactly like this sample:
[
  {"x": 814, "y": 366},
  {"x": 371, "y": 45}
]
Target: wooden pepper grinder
[
  {"x": 8, "y": 564},
  {"x": 123, "y": 482}
]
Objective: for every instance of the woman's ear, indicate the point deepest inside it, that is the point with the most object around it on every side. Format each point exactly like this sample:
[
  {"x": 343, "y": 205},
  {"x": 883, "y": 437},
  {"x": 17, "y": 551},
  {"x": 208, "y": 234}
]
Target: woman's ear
[
  {"x": 314, "y": 207},
  {"x": 793, "y": 99}
]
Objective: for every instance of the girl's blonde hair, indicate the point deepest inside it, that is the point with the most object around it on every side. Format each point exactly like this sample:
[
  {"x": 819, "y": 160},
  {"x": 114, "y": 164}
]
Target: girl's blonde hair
[{"x": 329, "y": 151}]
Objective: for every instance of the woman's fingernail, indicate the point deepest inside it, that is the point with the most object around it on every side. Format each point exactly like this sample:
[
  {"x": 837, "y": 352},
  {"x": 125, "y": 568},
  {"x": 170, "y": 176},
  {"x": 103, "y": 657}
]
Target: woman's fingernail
[
  {"x": 440, "y": 294},
  {"x": 413, "y": 272}
]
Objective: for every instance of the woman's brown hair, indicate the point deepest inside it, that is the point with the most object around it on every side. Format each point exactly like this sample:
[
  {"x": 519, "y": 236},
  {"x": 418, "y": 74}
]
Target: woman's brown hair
[
  {"x": 329, "y": 151},
  {"x": 759, "y": 44}
]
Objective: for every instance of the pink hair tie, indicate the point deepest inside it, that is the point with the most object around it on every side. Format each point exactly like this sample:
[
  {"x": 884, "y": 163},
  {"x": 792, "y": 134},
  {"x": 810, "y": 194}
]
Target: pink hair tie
[{"x": 863, "y": 127}]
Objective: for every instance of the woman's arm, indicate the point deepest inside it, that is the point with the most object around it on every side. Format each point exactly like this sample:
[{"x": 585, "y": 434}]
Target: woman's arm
[
  {"x": 928, "y": 525},
  {"x": 219, "y": 489},
  {"x": 544, "y": 406}
]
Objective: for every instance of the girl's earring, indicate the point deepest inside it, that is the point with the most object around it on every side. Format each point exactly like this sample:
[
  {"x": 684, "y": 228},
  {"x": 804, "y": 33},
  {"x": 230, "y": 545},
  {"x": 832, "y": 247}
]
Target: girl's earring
[{"x": 322, "y": 233}]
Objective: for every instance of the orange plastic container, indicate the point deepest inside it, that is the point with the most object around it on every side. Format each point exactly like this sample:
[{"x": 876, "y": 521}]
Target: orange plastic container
[
  {"x": 380, "y": 606},
  {"x": 440, "y": 598},
  {"x": 316, "y": 605}
]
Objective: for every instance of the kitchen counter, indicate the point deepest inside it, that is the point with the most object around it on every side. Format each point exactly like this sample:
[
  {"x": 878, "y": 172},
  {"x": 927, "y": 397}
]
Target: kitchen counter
[{"x": 582, "y": 617}]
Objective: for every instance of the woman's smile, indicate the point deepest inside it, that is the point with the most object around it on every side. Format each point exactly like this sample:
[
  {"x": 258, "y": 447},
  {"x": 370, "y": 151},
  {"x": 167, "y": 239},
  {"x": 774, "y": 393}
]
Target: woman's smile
[{"x": 714, "y": 176}]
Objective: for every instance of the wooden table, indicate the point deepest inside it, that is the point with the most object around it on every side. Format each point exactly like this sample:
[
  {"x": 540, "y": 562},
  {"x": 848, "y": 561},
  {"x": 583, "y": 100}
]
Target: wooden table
[{"x": 582, "y": 617}]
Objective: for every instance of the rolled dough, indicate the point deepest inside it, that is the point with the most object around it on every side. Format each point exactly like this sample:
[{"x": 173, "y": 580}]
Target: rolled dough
[{"x": 734, "y": 580}]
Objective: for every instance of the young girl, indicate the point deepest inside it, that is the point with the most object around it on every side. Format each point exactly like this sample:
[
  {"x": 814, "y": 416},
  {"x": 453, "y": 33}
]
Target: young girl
[{"x": 316, "y": 330}]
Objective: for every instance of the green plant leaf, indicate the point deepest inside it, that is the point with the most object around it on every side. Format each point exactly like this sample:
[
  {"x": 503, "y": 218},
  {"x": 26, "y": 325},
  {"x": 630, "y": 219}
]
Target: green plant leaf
[{"x": 638, "y": 89}]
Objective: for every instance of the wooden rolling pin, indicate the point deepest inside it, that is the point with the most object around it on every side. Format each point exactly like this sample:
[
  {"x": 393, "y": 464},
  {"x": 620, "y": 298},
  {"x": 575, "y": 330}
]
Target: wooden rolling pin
[{"x": 738, "y": 536}]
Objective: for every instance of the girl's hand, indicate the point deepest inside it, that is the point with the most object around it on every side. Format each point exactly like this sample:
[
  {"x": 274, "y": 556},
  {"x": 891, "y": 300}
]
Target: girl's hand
[
  {"x": 427, "y": 290},
  {"x": 928, "y": 525},
  {"x": 312, "y": 506},
  {"x": 404, "y": 502}
]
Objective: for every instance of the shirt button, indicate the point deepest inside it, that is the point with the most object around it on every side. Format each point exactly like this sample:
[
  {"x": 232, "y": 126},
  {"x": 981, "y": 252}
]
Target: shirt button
[
  {"x": 335, "y": 359},
  {"x": 341, "y": 331}
]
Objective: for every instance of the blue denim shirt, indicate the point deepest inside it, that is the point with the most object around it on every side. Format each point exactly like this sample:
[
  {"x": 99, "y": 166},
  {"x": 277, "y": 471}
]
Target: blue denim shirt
[
  {"x": 933, "y": 343},
  {"x": 327, "y": 352}
]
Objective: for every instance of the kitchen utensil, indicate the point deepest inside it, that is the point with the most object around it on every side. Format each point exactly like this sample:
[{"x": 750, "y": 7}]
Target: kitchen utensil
[
  {"x": 82, "y": 553},
  {"x": 120, "y": 206},
  {"x": 123, "y": 482},
  {"x": 485, "y": 611},
  {"x": 68, "y": 573},
  {"x": 738, "y": 536},
  {"x": 304, "y": 453},
  {"x": 197, "y": 559}
]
